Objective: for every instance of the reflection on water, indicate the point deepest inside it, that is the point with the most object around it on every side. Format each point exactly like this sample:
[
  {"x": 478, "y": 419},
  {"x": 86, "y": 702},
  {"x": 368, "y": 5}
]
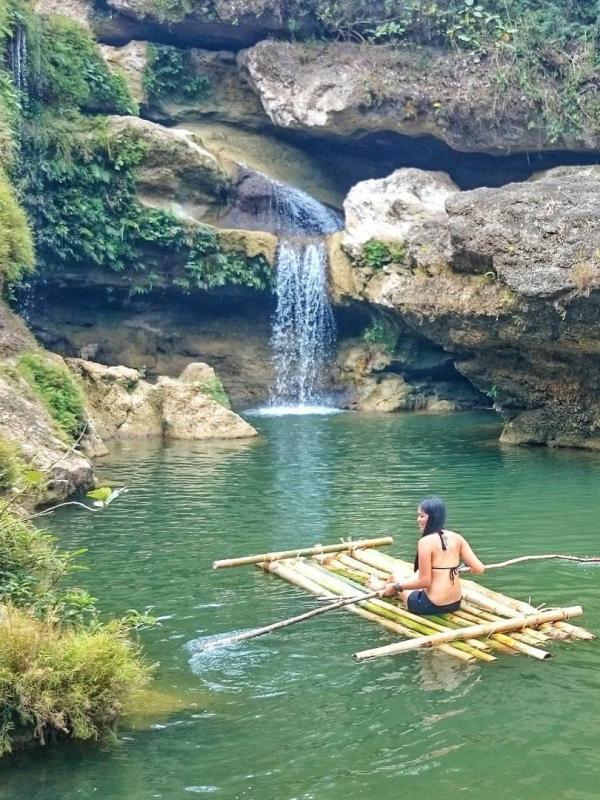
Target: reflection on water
[{"x": 291, "y": 715}]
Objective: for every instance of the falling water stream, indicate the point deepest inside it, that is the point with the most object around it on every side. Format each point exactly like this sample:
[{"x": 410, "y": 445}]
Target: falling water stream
[{"x": 303, "y": 334}]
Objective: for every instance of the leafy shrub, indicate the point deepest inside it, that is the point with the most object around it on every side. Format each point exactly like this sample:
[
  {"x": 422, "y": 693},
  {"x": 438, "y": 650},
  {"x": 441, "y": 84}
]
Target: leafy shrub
[
  {"x": 377, "y": 254},
  {"x": 74, "y": 74},
  {"x": 30, "y": 564},
  {"x": 58, "y": 389},
  {"x": 168, "y": 72},
  {"x": 70, "y": 681},
  {"x": 16, "y": 246},
  {"x": 10, "y": 464}
]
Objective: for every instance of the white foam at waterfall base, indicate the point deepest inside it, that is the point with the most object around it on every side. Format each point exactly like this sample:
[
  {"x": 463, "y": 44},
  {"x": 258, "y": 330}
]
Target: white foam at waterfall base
[{"x": 289, "y": 411}]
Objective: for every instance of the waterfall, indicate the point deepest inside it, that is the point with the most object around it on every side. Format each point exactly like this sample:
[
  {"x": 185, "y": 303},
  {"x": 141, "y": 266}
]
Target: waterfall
[
  {"x": 303, "y": 334},
  {"x": 303, "y": 326},
  {"x": 17, "y": 56}
]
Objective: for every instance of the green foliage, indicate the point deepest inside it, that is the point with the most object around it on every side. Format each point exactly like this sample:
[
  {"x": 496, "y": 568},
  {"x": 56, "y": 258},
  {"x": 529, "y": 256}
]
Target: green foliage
[
  {"x": 69, "y": 681},
  {"x": 214, "y": 387},
  {"x": 73, "y": 74},
  {"x": 377, "y": 254},
  {"x": 169, "y": 71},
  {"x": 10, "y": 464},
  {"x": 58, "y": 389},
  {"x": 81, "y": 194},
  {"x": 30, "y": 565},
  {"x": 383, "y": 332},
  {"x": 10, "y": 112},
  {"x": 16, "y": 246}
]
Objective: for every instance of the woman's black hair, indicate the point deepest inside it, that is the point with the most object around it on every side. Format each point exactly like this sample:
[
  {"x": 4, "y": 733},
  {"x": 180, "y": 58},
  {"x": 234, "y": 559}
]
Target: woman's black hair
[
  {"x": 436, "y": 514},
  {"x": 436, "y": 519}
]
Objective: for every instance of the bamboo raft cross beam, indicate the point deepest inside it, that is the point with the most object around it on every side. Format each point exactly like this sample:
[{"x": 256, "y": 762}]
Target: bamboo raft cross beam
[
  {"x": 305, "y": 551},
  {"x": 472, "y": 631}
]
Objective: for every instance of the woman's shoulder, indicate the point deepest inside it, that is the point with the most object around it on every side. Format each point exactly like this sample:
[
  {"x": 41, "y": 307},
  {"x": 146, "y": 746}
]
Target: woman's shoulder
[{"x": 453, "y": 535}]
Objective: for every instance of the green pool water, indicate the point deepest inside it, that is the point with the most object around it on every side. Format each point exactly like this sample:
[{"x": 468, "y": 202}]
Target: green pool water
[{"x": 292, "y": 716}]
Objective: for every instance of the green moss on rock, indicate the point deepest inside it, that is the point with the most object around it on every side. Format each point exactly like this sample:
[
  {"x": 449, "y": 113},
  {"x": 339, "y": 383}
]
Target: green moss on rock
[{"x": 58, "y": 390}]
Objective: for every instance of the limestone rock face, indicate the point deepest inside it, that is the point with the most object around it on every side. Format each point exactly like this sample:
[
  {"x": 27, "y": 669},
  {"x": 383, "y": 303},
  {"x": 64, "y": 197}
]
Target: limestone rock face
[
  {"x": 123, "y": 405},
  {"x": 540, "y": 237},
  {"x": 80, "y": 11},
  {"x": 129, "y": 61},
  {"x": 25, "y": 422},
  {"x": 177, "y": 174},
  {"x": 407, "y": 206},
  {"x": 227, "y": 99},
  {"x": 517, "y": 303},
  {"x": 348, "y": 89},
  {"x": 229, "y": 23}
]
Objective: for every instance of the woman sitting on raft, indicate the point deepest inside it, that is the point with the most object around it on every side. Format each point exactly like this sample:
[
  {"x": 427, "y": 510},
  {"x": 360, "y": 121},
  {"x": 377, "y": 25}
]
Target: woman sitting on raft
[{"x": 435, "y": 586}]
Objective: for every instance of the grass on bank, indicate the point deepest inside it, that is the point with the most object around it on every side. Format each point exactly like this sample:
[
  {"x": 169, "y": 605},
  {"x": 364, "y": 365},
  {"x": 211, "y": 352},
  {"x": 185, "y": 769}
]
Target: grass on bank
[
  {"x": 63, "y": 681},
  {"x": 63, "y": 673}
]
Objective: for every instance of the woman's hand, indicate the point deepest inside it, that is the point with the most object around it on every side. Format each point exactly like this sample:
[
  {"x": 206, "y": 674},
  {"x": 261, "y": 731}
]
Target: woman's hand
[
  {"x": 376, "y": 583},
  {"x": 389, "y": 590}
]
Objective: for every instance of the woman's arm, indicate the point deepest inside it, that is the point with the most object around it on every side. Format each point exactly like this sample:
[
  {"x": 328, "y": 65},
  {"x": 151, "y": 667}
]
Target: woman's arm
[{"x": 468, "y": 556}]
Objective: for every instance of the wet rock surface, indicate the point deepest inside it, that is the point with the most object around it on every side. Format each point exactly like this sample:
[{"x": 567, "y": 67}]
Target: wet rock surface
[{"x": 123, "y": 405}]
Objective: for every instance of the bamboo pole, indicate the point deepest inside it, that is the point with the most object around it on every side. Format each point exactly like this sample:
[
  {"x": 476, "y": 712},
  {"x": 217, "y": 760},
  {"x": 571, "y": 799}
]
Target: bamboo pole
[
  {"x": 378, "y": 606},
  {"x": 306, "y": 551},
  {"x": 579, "y": 559},
  {"x": 471, "y": 631}
]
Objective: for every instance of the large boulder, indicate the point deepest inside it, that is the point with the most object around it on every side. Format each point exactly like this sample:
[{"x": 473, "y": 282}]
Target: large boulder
[
  {"x": 541, "y": 237},
  {"x": 176, "y": 174},
  {"x": 517, "y": 303},
  {"x": 124, "y": 406},
  {"x": 130, "y": 62},
  {"x": 408, "y": 207}
]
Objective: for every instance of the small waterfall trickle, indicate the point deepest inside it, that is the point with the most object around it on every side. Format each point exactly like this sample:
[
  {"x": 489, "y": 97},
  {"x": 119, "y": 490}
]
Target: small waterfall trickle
[
  {"x": 303, "y": 334},
  {"x": 17, "y": 59}
]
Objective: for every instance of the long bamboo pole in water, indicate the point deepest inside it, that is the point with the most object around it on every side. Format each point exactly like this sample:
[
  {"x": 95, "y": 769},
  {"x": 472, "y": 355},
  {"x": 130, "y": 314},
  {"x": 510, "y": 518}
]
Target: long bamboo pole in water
[
  {"x": 306, "y": 551},
  {"x": 469, "y": 632}
]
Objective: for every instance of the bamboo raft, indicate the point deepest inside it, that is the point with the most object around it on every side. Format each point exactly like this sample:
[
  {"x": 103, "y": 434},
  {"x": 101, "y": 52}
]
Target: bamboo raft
[{"x": 487, "y": 624}]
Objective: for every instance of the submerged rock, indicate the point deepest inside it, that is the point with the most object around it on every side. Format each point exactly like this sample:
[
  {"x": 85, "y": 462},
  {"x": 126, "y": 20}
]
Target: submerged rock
[{"x": 123, "y": 405}]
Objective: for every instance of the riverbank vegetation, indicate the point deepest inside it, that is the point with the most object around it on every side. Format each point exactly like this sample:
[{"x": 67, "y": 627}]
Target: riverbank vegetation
[{"x": 63, "y": 672}]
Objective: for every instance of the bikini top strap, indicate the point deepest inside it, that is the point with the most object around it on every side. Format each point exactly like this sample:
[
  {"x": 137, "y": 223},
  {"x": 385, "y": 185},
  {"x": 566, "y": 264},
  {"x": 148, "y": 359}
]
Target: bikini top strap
[{"x": 442, "y": 542}]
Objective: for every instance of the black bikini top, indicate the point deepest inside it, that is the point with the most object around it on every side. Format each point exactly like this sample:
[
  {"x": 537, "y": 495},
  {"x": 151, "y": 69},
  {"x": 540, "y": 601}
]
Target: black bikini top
[{"x": 453, "y": 570}]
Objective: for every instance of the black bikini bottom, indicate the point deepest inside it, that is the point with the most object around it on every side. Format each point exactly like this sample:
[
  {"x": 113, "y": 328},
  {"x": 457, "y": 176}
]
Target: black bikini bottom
[{"x": 419, "y": 603}]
